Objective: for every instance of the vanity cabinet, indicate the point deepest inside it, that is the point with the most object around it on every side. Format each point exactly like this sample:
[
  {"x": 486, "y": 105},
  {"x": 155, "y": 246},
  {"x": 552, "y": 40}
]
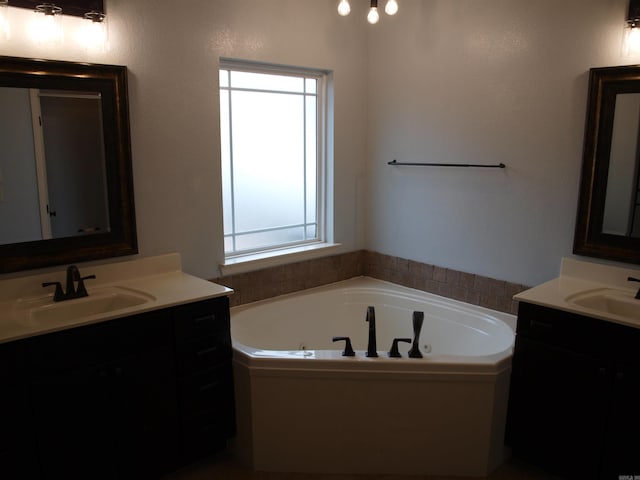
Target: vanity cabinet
[
  {"x": 113, "y": 400},
  {"x": 203, "y": 352},
  {"x": 104, "y": 399},
  {"x": 17, "y": 449},
  {"x": 575, "y": 385}
]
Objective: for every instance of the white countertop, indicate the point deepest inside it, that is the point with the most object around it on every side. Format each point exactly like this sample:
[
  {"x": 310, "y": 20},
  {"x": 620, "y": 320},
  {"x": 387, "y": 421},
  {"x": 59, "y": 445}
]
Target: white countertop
[
  {"x": 160, "y": 278},
  {"x": 578, "y": 276}
]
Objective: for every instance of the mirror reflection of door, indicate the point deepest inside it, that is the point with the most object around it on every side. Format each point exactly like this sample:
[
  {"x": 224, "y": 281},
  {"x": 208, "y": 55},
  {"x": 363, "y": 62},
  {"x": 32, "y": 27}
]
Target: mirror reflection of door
[
  {"x": 622, "y": 203},
  {"x": 74, "y": 158}
]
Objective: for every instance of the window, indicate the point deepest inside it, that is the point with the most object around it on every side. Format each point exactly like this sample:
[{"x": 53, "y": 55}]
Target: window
[{"x": 273, "y": 156}]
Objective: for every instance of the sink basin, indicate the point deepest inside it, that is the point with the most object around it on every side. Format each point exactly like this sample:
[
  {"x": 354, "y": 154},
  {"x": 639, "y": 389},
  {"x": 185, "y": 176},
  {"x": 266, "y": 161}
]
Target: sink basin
[
  {"x": 100, "y": 301},
  {"x": 609, "y": 300}
]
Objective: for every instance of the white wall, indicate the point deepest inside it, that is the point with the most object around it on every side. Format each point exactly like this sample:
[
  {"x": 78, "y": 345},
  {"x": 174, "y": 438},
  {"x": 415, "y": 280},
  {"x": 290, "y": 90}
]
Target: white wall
[
  {"x": 445, "y": 80},
  {"x": 483, "y": 81},
  {"x": 171, "y": 50}
]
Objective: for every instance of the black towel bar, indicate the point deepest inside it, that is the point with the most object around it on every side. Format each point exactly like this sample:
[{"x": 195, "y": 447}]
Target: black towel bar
[{"x": 474, "y": 165}]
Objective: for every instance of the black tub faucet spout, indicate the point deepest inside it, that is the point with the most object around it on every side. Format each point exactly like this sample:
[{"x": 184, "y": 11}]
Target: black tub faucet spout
[
  {"x": 418, "y": 319},
  {"x": 372, "y": 350}
]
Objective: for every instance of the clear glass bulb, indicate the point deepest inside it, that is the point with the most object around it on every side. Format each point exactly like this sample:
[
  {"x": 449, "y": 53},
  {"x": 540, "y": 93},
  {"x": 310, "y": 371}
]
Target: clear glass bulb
[
  {"x": 94, "y": 35},
  {"x": 344, "y": 8},
  {"x": 373, "y": 16},
  {"x": 631, "y": 42},
  {"x": 4, "y": 20},
  {"x": 46, "y": 29},
  {"x": 391, "y": 8}
]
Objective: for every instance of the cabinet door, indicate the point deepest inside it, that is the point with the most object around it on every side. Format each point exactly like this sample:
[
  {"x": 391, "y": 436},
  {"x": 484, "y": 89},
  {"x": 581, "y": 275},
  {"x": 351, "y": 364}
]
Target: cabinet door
[
  {"x": 147, "y": 430},
  {"x": 74, "y": 424},
  {"x": 556, "y": 409},
  {"x": 622, "y": 446},
  {"x": 17, "y": 451}
]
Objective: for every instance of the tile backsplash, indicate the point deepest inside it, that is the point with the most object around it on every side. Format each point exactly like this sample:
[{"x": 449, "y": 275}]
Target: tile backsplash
[{"x": 467, "y": 287}]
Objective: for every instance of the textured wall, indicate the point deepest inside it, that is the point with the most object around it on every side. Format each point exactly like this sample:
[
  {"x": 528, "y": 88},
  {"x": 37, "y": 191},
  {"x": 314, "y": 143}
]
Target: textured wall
[
  {"x": 479, "y": 81},
  {"x": 171, "y": 50},
  {"x": 445, "y": 80}
]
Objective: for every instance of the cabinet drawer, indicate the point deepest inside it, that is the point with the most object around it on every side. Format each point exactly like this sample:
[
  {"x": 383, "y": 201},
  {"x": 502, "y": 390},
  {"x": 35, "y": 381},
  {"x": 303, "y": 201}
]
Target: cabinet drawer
[
  {"x": 99, "y": 343},
  {"x": 202, "y": 353},
  {"x": 208, "y": 318},
  {"x": 579, "y": 333},
  {"x": 210, "y": 389}
]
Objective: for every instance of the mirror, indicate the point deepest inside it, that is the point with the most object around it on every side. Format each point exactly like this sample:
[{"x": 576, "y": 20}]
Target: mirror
[{"x": 66, "y": 187}]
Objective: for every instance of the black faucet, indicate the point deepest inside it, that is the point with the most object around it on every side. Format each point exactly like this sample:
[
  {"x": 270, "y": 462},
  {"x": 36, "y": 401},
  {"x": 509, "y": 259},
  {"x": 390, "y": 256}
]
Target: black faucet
[
  {"x": 71, "y": 290},
  {"x": 372, "y": 350},
  {"x": 633, "y": 279},
  {"x": 418, "y": 318}
]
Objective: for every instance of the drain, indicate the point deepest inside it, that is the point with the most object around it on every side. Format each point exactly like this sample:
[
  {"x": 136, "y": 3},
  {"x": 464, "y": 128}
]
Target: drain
[{"x": 426, "y": 348}]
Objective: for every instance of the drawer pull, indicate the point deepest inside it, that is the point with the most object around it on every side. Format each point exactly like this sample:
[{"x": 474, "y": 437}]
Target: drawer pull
[
  {"x": 207, "y": 351},
  {"x": 209, "y": 386},
  {"x": 206, "y": 318},
  {"x": 541, "y": 325}
]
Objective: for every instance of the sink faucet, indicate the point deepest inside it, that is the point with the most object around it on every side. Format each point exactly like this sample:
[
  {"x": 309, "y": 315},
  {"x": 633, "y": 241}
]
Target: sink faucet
[
  {"x": 371, "y": 346},
  {"x": 71, "y": 290},
  {"x": 632, "y": 279}
]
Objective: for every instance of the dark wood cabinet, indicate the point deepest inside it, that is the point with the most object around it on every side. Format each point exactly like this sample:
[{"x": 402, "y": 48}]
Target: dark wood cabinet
[
  {"x": 574, "y": 389},
  {"x": 205, "y": 383},
  {"x": 17, "y": 449},
  {"x": 108, "y": 401}
]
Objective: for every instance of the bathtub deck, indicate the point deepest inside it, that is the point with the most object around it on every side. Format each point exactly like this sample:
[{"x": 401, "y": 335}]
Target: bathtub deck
[{"x": 225, "y": 467}]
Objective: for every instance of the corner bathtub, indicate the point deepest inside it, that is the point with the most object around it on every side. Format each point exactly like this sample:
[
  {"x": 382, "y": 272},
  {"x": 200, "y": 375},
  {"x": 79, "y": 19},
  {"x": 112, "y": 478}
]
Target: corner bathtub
[{"x": 302, "y": 406}]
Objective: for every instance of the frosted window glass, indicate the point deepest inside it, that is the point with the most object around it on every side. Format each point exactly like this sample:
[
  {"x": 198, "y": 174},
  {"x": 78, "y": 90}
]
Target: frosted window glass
[
  {"x": 224, "y": 78},
  {"x": 269, "y": 160},
  {"x": 265, "y": 81},
  {"x": 311, "y": 85},
  {"x": 225, "y": 155}
]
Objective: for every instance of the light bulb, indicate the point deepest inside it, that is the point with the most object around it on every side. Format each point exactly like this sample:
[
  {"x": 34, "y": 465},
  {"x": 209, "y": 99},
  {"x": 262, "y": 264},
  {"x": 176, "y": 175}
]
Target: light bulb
[
  {"x": 373, "y": 16},
  {"x": 344, "y": 8},
  {"x": 391, "y": 8},
  {"x": 94, "y": 33},
  {"x": 4, "y": 19},
  {"x": 631, "y": 43},
  {"x": 46, "y": 27}
]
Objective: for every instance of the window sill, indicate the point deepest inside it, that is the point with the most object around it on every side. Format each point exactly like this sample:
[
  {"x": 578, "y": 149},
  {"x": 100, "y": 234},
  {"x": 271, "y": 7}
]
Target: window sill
[{"x": 247, "y": 263}]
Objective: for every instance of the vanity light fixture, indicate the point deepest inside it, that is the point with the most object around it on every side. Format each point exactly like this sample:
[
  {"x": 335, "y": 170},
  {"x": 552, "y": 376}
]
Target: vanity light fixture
[
  {"x": 631, "y": 40},
  {"x": 94, "y": 33},
  {"x": 391, "y": 8},
  {"x": 46, "y": 27},
  {"x": 4, "y": 19}
]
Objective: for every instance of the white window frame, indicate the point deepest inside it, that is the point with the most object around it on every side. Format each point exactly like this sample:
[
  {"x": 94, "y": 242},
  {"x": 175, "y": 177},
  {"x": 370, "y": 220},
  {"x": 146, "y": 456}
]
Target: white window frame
[{"x": 305, "y": 248}]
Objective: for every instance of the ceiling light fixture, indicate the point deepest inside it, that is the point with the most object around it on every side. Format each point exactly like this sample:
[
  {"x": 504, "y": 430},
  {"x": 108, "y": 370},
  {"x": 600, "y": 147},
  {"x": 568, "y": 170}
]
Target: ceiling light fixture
[{"x": 373, "y": 16}]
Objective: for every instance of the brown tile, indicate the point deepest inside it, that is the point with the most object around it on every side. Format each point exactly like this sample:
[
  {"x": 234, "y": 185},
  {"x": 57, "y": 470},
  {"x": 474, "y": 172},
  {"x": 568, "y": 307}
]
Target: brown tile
[
  {"x": 270, "y": 282},
  {"x": 439, "y": 274}
]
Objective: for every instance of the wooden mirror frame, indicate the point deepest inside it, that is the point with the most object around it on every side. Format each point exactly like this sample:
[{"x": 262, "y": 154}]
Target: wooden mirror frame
[
  {"x": 604, "y": 84},
  {"x": 111, "y": 82}
]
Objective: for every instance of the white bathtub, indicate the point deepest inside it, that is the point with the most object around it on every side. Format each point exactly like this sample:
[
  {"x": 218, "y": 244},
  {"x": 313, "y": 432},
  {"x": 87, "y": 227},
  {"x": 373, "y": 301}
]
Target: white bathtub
[{"x": 302, "y": 406}]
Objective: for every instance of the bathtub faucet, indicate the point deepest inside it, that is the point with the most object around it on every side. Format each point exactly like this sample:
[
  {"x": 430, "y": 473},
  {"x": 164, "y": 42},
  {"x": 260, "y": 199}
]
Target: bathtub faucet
[
  {"x": 372, "y": 350},
  {"x": 418, "y": 318}
]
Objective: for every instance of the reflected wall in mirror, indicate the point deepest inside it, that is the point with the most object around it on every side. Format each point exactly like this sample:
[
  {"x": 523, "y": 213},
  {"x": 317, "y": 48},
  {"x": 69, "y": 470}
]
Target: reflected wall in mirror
[
  {"x": 608, "y": 223},
  {"x": 66, "y": 188}
]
